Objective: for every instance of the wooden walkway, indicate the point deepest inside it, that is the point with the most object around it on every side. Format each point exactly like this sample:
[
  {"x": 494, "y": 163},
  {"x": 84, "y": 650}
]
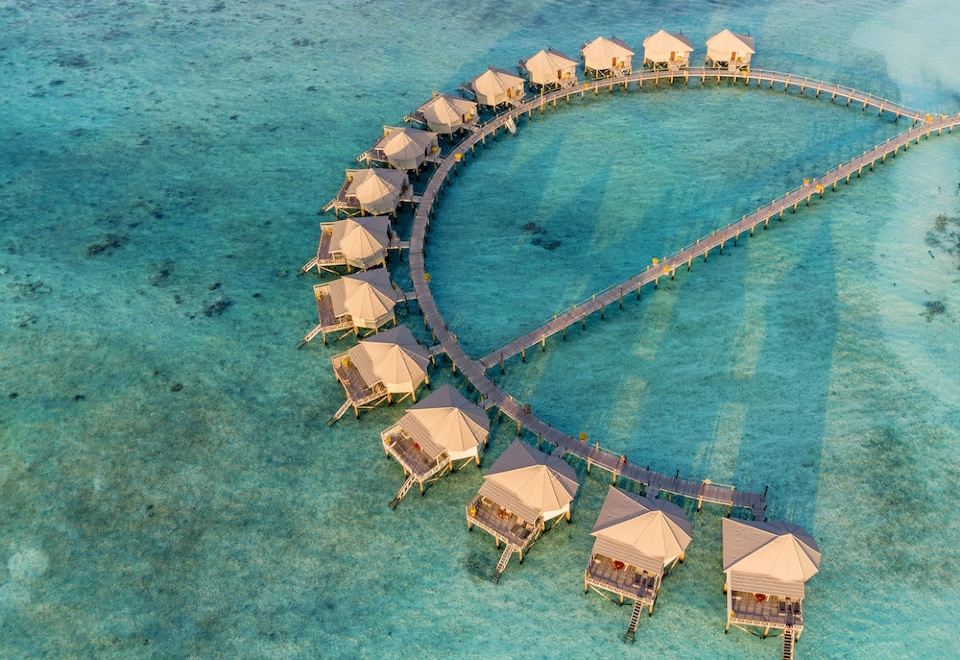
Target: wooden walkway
[
  {"x": 718, "y": 239},
  {"x": 475, "y": 371}
]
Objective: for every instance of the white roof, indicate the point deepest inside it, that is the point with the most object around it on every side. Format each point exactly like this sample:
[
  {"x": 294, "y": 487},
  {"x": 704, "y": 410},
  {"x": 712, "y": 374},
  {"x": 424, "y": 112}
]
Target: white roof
[
  {"x": 393, "y": 358},
  {"x": 446, "y": 421},
  {"x": 729, "y": 42},
  {"x": 604, "y": 49},
  {"x": 529, "y": 482},
  {"x": 404, "y": 146},
  {"x": 448, "y": 111},
  {"x": 377, "y": 189},
  {"x": 773, "y": 557},
  {"x": 645, "y": 533},
  {"x": 544, "y": 64},
  {"x": 495, "y": 81},
  {"x": 360, "y": 238},
  {"x": 663, "y": 41},
  {"x": 364, "y": 296}
]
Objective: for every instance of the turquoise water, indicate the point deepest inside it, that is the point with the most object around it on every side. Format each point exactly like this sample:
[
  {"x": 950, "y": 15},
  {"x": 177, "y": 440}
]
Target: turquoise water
[{"x": 168, "y": 485}]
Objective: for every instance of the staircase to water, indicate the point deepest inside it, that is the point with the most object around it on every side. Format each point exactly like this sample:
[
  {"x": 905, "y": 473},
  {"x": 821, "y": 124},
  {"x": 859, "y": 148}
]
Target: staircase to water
[
  {"x": 788, "y": 644},
  {"x": 634, "y": 621},
  {"x": 502, "y": 564}
]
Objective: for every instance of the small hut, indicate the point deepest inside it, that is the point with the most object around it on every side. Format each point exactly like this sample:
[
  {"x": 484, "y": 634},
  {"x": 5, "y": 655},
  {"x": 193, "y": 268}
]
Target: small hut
[
  {"x": 447, "y": 114},
  {"x": 374, "y": 191},
  {"x": 667, "y": 50},
  {"x": 766, "y": 566},
  {"x": 496, "y": 87},
  {"x": 524, "y": 490},
  {"x": 405, "y": 148},
  {"x": 550, "y": 69},
  {"x": 604, "y": 57},
  {"x": 354, "y": 302},
  {"x": 379, "y": 368},
  {"x": 358, "y": 242},
  {"x": 434, "y": 435},
  {"x": 638, "y": 540},
  {"x": 726, "y": 50}
]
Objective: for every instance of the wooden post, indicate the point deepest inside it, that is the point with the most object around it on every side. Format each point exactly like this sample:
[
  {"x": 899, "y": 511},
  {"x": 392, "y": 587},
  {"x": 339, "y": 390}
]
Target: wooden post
[
  {"x": 523, "y": 354},
  {"x": 621, "y": 297}
]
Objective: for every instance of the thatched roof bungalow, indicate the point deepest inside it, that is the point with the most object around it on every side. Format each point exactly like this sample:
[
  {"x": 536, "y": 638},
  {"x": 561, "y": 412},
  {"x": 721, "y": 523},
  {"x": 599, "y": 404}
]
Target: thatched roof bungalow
[
  {"x": 446, "y": 114},
  {"x": 523, "y": 491},
  {"x": 434, "y": 435},
  {"x": 637, "y": 541},
  {"x": 496, "y": 87},
  {"x": 667, "y": 50},
  {"x": 372, "y": 191},
  {"x": 364, "y": 301},
  {"x": 727, "y": 50},
  {"x": 550, "y": 69},
  {"x": 405, "y": 148},
  {"x": 766, "y": 567},
  {"x": 389, "y": 366},
  {"x": 605, "y": 57}
]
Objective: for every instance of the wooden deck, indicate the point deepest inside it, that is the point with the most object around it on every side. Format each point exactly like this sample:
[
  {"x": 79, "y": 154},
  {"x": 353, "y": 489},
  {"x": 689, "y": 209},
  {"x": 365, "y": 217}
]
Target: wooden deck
[
  {"x": 414, "y": 460},
  {"x": 503, "y": 525},
  {"x": 357, "y": 391},
  {"x": 774, "y": 612},
  {"x": 475, "y": 370},
  {"x": 629, "y": 582}
]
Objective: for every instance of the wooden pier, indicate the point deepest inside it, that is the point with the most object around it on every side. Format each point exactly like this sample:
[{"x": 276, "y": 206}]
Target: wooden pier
[
  {"x": 716, "y": 240},
  {"x": 474, "y": 371}
]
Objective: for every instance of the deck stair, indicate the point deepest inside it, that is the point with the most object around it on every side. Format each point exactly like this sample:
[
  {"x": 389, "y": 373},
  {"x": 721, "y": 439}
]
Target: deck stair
[
  {"x": 511, "y": 125},
  {"x": 308, "y": 266},
  {"x": 404, "y": 489},
  {"x": 634, "y": 620},
  {"x": 788, "y": 652},
  {"x": 317, "y": 329},
  {"x": 502, "y": 564},
  {"x": 340, "y": 413}
]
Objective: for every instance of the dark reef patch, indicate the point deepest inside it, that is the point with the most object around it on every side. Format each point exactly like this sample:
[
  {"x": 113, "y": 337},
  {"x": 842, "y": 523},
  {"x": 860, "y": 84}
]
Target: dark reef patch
[
  {"x": 934, "y": 308},
  {"x": 217, "y": 308},
  {"x": 110, "y": 243},
  {"x": 72, "y": 60}
]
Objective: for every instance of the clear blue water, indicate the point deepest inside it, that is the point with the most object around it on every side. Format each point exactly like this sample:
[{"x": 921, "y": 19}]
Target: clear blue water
[{"x": 159, "y": 175}]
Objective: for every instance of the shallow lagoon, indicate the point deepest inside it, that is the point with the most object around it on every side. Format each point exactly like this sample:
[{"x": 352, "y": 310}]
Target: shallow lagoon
[{"x": 156, "y": 150}]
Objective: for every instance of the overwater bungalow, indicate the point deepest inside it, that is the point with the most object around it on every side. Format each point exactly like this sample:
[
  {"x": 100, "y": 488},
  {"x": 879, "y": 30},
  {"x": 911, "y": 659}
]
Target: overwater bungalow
[
  {"x": 443, "y": 432},
  {"x": 496, "y": 87},
  {"x": 364, "y": 301},
  {"x": 666, "y": 50},
  {"x": 522, "y": 492},
  {"x": 550, "y": 69},
  {"x": 726, "y": 50},
  {"x": 446, "y": 114},
  {"x": 386, "y": 367},
  {"x": 373, "y": 191},
  {"x": 637, "y": 541},
  {"x": 767, "y": 565},
  {"x": 404, "y": 148},
  {"x": 358, "y": 242},
  {"x": 605, "y": 57}
]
